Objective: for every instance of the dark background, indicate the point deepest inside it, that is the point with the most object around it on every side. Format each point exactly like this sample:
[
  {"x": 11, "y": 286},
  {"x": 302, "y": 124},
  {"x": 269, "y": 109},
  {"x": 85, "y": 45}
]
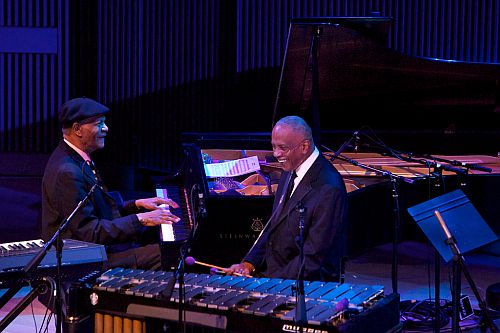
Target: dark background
[{"x": 171, "y": 67}]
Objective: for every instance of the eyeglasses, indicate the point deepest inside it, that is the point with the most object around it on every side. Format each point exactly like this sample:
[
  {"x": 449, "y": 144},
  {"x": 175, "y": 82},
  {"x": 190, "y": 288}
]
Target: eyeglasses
[{"x": 284, "y": 149}]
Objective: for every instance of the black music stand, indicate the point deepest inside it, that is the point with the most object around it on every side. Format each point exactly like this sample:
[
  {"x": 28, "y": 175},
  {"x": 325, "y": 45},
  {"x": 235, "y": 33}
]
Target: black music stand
[{"x": 454, "y": 227}]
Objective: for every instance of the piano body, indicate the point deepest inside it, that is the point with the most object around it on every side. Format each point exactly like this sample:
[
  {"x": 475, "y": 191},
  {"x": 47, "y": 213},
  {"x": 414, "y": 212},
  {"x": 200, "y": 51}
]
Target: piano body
[
  {"x": 339, "y": 74},
  {"x": 226, "y": 213}
]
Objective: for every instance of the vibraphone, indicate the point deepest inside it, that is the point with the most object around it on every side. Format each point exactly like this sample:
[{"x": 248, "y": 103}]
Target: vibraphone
[{"x": 126, "y": 300}]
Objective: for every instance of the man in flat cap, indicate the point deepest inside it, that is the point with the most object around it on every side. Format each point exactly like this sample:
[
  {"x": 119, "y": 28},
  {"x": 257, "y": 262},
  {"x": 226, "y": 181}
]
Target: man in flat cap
[{"x": 69, "y": 176}]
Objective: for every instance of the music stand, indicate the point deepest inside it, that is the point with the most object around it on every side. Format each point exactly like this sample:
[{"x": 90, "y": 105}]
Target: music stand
[{"x": 454, "y": 227}]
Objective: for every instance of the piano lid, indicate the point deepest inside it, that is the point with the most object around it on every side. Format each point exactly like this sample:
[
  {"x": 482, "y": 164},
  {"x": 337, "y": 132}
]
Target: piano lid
[{"x": 361, "y": 82}]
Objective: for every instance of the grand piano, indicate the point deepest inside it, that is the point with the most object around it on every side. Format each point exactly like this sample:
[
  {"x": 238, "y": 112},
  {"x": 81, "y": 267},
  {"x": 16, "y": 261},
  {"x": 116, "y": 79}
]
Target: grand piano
[{"x": 340, "y": 74}]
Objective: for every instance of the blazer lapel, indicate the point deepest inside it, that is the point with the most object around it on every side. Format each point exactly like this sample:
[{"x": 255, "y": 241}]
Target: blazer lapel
[{"x": 300, "y": 192}]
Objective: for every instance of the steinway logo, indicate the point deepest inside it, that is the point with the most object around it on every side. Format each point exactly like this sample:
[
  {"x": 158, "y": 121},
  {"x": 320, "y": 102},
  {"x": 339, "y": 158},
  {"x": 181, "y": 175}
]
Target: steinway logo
[
  {"x": 236, "y": 236},
  {"x": 296, "y": 328},
  {"x": 256, "y": 226}
]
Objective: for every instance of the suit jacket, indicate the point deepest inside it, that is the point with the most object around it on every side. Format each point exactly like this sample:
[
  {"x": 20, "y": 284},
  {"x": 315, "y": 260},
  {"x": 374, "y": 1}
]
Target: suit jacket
[
  {"x": 66, "y": 181},
  {"x": 323, "y": 195}
]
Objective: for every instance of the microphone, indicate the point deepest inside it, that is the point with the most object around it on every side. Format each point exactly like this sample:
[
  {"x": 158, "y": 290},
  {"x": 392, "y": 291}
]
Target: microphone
[
  {"x": 202, "y": 209},
  {"x": 300, "y": 207},
  {"x": 356, "y": 141},
  {"x": 355, "y": 137}
]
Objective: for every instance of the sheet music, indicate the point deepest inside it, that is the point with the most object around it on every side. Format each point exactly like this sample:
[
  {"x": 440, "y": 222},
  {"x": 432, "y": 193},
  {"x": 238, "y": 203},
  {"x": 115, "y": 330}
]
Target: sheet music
[{"x": 232, "y": 168}]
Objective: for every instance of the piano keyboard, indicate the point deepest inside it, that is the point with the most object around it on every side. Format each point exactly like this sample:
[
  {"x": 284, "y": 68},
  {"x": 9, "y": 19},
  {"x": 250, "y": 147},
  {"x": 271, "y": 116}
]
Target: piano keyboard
[
  {"x": 174, "y": 236},
  {"x": 78, "y": 258},
  {"x": 166, "y": 230},
  {"x": 177, "y": 231},
  {"x": 16, "y": 255},
  {"x": 30, "y": 246}
]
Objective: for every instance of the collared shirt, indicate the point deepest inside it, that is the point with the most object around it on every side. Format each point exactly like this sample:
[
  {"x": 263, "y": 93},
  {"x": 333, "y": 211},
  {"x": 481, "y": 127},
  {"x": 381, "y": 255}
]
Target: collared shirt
[
  {"x": 304, "y": 167},
  {"x": 80, "y": 152}
]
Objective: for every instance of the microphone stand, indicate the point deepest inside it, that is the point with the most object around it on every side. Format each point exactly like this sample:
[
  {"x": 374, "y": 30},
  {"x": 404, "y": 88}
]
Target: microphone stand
[
  {"x": 30, "y": 267},
  {"x": 343, "y": 146},
  {"x": 180, "y": 270},
  {"x": 300, "y": 309},
  {"x": 468, "y": 166},
  {"x": 431, "y": 162},
  {"x": 394, "y": 180}
]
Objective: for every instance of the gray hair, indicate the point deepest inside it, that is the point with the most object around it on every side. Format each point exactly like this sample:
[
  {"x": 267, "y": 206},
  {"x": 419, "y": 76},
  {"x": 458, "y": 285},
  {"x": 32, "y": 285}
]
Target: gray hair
[{"x": 297, "y": 124}]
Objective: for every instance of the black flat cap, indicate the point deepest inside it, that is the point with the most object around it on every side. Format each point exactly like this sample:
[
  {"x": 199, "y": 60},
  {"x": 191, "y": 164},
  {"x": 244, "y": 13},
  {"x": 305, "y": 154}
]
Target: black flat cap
[{"x": 78, "y": 109}]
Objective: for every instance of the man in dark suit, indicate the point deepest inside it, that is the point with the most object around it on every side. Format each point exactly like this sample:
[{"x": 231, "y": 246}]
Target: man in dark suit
[
  {"x": 104, "y": 219},
  {"x": 317, "y": 196}
]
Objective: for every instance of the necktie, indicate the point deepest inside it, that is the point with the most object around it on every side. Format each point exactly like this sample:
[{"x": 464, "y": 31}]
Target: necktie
[
  {"x": 95, "y": 171},
  {"x": 290, "y": 186}
]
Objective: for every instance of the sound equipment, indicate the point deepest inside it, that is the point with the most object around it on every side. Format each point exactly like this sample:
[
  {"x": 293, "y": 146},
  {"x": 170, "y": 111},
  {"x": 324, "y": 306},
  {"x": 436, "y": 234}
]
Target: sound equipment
[
  {"x": 77, "y": 258},
  {"x": 235, "y": 303}
]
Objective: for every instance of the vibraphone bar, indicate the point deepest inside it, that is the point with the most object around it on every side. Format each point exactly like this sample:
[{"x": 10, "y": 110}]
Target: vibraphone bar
[{"x": 132, "y": 298}]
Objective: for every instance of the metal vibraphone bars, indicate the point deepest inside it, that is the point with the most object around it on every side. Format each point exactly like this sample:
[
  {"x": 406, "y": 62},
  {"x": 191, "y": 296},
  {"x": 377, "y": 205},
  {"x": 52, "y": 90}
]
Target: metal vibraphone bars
[{"x": 129, "y": 300}]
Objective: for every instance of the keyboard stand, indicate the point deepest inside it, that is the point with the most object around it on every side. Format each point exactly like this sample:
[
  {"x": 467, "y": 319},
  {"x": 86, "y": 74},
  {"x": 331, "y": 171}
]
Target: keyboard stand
[
  {"x": 46, "y": 284},
  {"x": 32, "y": 265}
]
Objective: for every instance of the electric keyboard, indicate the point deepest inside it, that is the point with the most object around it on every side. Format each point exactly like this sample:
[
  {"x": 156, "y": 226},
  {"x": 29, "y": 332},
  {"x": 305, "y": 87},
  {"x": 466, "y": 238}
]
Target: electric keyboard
[{"x": 77, "y": 257}]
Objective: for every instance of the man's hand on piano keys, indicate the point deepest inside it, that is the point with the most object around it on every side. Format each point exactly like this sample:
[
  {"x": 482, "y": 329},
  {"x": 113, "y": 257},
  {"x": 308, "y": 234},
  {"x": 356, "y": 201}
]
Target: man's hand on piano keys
[
  {"x": 155, "y": 203},
  {"x": 156, "y": 217}
]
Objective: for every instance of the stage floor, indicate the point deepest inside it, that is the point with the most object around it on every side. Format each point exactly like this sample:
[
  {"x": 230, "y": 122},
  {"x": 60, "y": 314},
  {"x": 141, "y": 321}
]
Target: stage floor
[{"x": 415, "y": 282}]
